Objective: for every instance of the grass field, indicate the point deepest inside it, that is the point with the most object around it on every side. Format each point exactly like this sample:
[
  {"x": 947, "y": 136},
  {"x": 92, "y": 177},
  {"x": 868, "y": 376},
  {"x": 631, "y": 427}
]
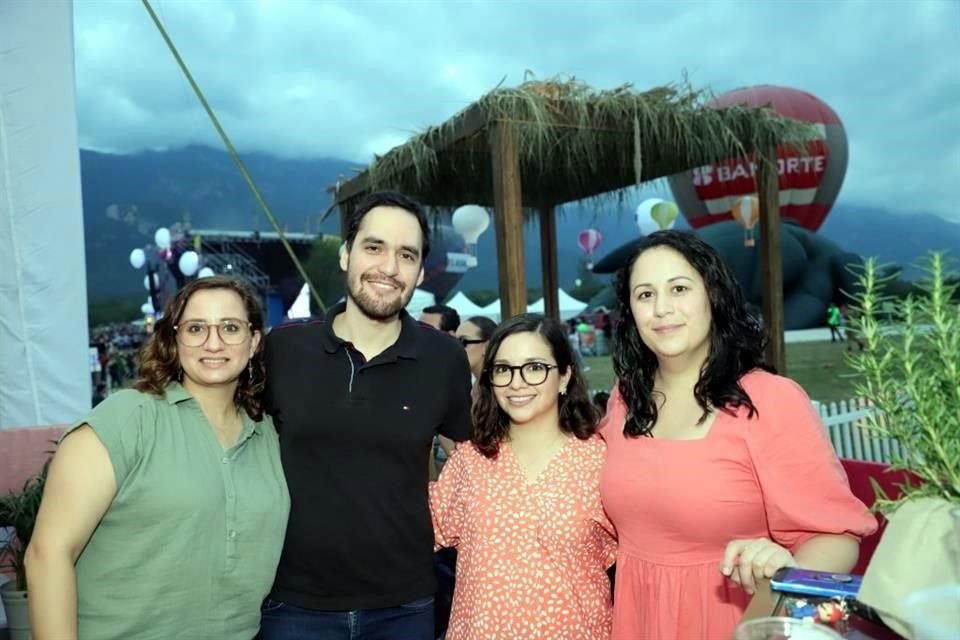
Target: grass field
[{"x": 820, "y": 368}]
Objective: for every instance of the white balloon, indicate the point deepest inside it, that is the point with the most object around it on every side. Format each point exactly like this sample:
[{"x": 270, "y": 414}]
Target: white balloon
[
  {"x": 645, "y": 223},
  {"x": 137, "y": 258},
  {"x": 162, "y": 238},
  {"x": 470, "y": 221},
  {"x": 146, "y": 281},
  {"x": 189, "y": 263},
  {"x": 206, "y": 272},
  {"x": 147, "y": 307}
]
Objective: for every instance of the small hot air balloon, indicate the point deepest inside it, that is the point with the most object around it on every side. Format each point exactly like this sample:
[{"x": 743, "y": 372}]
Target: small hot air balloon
[
  {"x": 656, "y": 214},
  {"x": 470, "y": 221},
  {"x": 664, "y": 214},
  {"x": 746, "y": 211},
  {"x": 589, "y": 240},
  {"x": 808, "y": 181},
  {"x": 645, "y": 222}
]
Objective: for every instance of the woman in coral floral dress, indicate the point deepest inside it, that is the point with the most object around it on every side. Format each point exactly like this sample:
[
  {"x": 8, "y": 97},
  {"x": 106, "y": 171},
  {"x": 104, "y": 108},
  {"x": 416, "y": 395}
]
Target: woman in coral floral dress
[
  {"x": 521, "y": 504},
  {"x": 718, "y": 472}
]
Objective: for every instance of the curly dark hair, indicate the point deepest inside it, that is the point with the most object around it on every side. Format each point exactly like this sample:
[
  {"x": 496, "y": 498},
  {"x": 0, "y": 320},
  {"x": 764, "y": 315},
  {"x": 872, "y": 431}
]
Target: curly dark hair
[
  {"x": 736, "y": 342},
  {"x": 160, "y": 364},
  {"x": 578, "y": 415}
]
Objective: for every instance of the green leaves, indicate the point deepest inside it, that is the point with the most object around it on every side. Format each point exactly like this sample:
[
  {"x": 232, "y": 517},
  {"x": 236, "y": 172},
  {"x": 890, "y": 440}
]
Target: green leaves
[
  {"x": 18, "y": 509},
  {"x": 910, "y": 371}
]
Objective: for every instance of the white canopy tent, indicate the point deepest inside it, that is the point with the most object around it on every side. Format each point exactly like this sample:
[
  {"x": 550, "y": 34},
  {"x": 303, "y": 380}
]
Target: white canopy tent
[
  {"x": 301, "y": 306},
  {"x": 421, "y": 300},
  {"x": 44, "y": 358},
  {"x": 570, "y": 307},
  {"x": 465, "y": 306},
  {"x": 491, "y": 311}
]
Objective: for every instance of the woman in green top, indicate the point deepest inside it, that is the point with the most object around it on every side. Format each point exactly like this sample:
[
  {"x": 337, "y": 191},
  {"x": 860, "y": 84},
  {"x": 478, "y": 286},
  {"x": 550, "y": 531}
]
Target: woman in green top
[{"x": 165, "y": 508}]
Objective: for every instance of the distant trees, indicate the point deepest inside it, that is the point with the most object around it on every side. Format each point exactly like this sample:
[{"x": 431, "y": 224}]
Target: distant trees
[
  {"x": 108, "y": 310},
  {"x": 323, "y": 268}
]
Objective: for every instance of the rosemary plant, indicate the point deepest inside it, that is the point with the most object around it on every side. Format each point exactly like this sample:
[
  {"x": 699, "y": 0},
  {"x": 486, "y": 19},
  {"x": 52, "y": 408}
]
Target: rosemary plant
[{"x": 910, "y": 370}]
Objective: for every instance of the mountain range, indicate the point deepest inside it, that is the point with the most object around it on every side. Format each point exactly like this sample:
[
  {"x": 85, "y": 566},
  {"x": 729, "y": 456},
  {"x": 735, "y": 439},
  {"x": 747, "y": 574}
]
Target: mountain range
[{"x": 127, "y": 197}]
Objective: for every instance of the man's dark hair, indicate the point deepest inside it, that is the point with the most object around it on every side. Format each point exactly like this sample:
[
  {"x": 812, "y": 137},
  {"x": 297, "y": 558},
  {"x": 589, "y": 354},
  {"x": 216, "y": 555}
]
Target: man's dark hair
[
  {"x": 388, "y": 199},
  {"x": 449, "y": 318},
  {"x": 485, "y": 324}
]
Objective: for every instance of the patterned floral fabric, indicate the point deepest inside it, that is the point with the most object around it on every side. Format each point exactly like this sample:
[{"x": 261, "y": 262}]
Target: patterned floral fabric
[{"x": 531, "y": 556}]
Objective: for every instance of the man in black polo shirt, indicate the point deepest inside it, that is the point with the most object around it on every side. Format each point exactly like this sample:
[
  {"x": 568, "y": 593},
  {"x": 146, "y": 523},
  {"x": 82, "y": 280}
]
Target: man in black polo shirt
[{"x": 357, "y": 399}]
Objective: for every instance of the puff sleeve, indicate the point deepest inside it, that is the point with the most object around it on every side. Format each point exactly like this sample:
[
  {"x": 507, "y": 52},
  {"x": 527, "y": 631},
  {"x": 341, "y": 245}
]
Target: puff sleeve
[{"x": 804, "y": 487}]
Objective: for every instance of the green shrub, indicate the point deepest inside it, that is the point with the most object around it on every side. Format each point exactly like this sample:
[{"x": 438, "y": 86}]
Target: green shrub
[{"x": 910, "y": 370}]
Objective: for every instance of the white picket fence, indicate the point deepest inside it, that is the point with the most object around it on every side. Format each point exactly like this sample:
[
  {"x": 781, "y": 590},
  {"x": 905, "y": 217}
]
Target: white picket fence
[{"x": 844, "y": 422}]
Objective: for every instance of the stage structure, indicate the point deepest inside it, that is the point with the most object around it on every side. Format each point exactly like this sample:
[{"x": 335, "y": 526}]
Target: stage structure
[{"x": 259, "y": 258}]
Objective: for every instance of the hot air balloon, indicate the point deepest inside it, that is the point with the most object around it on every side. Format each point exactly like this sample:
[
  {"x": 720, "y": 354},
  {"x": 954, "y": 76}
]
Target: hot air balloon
[
  {"x": 655, "y": 214},
  {"x": 746, "y": 211},
  {"x": 809, "y": 182},
  {"x": 470, "y": 221},
  {"x": 664, "y": 214},
  {"x": 589, "y": 240}
]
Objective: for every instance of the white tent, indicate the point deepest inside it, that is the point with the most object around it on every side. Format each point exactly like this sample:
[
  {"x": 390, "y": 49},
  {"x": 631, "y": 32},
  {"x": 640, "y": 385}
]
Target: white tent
[
  {"x": 570, "y": 307},
  {"x": 421, "y": 300},
  {"x": 301, "y": 306},
  {"x": 465, "y": 306},
  {"x": 491, "y": 311},
  {"x": 44, "y": 359}
]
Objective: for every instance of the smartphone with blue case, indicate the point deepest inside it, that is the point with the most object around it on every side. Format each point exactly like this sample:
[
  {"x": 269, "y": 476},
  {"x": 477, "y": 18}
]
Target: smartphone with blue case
[{"x": 821, "y": 584}]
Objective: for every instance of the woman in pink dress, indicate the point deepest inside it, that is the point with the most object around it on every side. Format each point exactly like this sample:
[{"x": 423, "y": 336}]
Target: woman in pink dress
[
  {"x": 521, "y": 504},
  {"x": 718, "y": 471}
]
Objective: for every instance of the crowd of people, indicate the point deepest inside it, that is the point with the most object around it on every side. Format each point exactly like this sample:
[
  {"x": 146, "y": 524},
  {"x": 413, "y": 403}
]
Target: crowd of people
[
  {"x": 114, "y": 350},
  {"x": 279, "y": 485}
]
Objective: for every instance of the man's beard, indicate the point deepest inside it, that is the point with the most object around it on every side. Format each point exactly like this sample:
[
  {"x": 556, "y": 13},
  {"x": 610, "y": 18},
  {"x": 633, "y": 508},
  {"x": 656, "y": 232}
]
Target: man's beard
[{"x": 373, "y": 306}]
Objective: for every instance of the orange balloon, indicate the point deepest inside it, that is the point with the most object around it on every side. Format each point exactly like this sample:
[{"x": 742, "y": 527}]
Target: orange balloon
[{"x": 746, "y": 211}]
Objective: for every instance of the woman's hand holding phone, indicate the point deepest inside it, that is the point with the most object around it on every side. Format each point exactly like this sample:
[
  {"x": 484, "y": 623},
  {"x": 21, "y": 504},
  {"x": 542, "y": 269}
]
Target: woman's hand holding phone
[{"x": 747, "y": 561}]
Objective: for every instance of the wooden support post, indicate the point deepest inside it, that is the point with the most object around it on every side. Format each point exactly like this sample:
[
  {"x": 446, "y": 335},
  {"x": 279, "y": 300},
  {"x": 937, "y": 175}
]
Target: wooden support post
[
  {"x": 771, "y": 258},
  {"x": 508, "y": 219},
  {"x": 548, "y": 258},
  {"x": 344, "y": 209}
]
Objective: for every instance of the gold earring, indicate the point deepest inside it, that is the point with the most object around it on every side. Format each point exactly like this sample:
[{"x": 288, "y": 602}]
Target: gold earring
[{"x": 250, "y": 369}]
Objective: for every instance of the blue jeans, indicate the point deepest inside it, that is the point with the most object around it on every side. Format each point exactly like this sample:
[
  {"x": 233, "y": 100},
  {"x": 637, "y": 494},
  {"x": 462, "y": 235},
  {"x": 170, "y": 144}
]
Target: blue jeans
[{"x": 410, "y": 621}]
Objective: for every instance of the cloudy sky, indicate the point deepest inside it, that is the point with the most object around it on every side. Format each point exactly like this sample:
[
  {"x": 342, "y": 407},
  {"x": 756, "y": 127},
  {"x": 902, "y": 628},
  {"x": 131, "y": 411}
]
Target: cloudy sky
[{"x": 348, "y": 79}]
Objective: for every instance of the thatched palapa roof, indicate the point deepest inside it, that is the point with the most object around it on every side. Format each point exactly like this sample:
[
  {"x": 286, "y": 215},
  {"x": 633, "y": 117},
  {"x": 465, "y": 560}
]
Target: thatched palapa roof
[
  {"x": 573, "y": 142},
  {"x": 546, "y": 143}
]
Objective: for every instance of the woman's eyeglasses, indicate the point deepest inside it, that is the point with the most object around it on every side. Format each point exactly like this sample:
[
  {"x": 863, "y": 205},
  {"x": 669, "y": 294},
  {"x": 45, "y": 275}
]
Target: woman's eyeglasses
[
  {"x": 194, "y": 333},
  {"x": 533, "y": 373}
]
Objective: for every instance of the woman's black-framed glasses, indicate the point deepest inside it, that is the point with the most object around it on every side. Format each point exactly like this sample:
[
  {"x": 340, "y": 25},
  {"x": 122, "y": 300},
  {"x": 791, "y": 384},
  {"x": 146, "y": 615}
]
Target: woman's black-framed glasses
[
  {"x": 194, "y": 333},
  {"x": 465, "y": 341},
  {"x": 533, "y": 373}
]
